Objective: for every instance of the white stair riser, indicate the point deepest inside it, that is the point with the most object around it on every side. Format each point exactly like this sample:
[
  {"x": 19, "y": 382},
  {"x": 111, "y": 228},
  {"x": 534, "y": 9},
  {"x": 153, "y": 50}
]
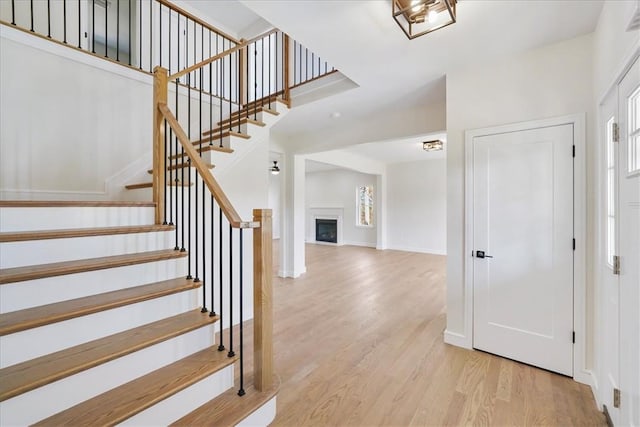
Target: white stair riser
[
  {"x": 33, "y": 293},
  {"x": 27, "y": 219},
  {"x": 32, "y": 343},
  {"x": 18, "y": 254},
  {"x": 185, "y": 401},
  {"x": 261, "y": 417},
  {"x": 50, "y": 399}
]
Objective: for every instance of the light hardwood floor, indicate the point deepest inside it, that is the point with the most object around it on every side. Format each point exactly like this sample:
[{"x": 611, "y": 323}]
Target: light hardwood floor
[{"x": 358, "y": 342}]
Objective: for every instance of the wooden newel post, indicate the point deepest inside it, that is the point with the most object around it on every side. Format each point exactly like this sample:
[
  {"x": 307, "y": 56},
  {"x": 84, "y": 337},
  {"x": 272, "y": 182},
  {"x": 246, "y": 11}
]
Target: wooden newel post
[
  {"x": 286, "y": 69},
  {"x": 262, "y": 301},
  {"x": 160, "y": 89}
]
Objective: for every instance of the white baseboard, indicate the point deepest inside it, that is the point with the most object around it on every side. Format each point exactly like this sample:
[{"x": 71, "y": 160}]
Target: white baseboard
[
  {"x": 362, "y": 244},
  {"x": 456, "y": 339},
  {"x": 421, "y": 250},
  {"x": 293, "y": 274}
]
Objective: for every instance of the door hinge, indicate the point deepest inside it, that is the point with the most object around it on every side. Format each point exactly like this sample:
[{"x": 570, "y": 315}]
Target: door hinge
[
  {"x": 616, "y": 264},
  {"x": 615, "y": 130},
  {"x": 616, "y": 398},
  {"x": 574, "y": 244},
  {"x": 573, "y": 337},
  {"x": 574, "y": 151}
]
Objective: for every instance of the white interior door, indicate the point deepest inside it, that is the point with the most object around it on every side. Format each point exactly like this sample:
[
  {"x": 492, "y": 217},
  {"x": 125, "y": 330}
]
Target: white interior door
[
  {"x": 629, "y": 236},
  {"x": 610, "y": 226},
  {"x": 523, "y": 226}
]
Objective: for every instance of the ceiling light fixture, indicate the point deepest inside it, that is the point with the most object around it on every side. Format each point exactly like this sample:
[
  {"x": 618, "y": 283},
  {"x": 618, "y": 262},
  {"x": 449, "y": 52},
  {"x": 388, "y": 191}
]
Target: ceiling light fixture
[
  {"x": 419, "y": 17},
  {"x": 275, "y": 170},
  {"x": 435, "y": 145}
]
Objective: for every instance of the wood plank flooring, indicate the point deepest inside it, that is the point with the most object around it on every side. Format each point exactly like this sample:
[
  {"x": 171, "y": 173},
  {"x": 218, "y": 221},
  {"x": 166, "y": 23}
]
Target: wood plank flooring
[{"x": 358, "y": 342}]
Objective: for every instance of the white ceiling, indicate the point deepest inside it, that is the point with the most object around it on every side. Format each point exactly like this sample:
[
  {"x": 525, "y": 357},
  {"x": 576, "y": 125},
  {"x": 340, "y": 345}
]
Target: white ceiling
[
  {"x": 400, "y": 150},
  {"x": 361, "y": 39}
]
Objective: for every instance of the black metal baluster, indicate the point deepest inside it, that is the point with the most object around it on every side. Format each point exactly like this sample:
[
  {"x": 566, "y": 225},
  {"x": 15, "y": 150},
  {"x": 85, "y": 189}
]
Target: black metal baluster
[
  {"x": 231, "y": 352},
  {"x": 164, "y": 174},
  {"x": 178, "y": 160},
  {"x": 106, "y": 30},
  {"x": 188, "y": 184},
  {"x": 210, "y": 93},
  {"x": 64, "y": 21},
  {"x": 213, "y": 307},
  {"x": 13, "y": 12},
  {"x": 204, "y": 252},
  {"x": 241, "y": 391},
  {"x": 230, "y": 80},
  {"x": 32, "y": 16},
  {"x": 319, "y": 72},
  {"x": 262, "y": 72},
  {"x": 150, "y": 37},
  {"x": 49, "y": 18},
  {"x": 140, "y": 32},
  {"x": 118, "y": 30},
  {"x": 160, "y": 31},
  {"x": 269, "y": 71},
  {"x": 255, "y": 80},
  {"x": 129, "y": 32},
  {"x": 221, "y": 346},
  {"x": 170, "y": 176},
  {"x": 93, "y": 26}
]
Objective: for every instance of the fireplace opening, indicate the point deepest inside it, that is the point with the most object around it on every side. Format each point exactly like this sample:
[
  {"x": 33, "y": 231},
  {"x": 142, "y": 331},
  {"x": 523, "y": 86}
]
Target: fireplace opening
[{"x": 327, "y": 230}]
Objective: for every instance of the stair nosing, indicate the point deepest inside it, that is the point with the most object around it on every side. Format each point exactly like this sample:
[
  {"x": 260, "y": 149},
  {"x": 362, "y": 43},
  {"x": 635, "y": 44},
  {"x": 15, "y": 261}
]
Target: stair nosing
[
  {"x": 107, "y": 415},
  {"x": 35, "y": 317},
  {"x": 66, "y": 233},
  {"x": 75, "y": 366},
  {"x": 32, "y": 272}
]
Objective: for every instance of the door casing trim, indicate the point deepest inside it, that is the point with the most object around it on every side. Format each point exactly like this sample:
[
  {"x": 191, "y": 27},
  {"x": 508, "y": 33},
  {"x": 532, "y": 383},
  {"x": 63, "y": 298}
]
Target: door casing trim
[{"x": 578, "y": 121}]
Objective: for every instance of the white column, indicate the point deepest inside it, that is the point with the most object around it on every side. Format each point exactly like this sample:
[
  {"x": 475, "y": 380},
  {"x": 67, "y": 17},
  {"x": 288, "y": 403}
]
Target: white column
[
  {"x": 292, "y": 239},
  {"x": 381, "y": 211}
]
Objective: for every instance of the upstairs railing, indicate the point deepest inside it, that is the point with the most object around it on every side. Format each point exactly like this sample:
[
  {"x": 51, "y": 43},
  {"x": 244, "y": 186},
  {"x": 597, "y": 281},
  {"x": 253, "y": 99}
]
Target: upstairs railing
[{"x": 141, "y": 34}]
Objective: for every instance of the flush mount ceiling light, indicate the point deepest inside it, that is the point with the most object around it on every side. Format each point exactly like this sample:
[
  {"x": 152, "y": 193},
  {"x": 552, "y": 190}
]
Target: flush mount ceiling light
[
  {"x": 435, "y": 145},
  {"x": 275, "y": 170},
  {"x": 419, "y": 17}
]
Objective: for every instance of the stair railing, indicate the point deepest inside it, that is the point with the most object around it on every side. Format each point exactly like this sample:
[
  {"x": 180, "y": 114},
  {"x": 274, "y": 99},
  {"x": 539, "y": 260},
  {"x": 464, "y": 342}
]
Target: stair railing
[
  {"x": 139, "y": 34},
  {"x": 207, "y": 209}
]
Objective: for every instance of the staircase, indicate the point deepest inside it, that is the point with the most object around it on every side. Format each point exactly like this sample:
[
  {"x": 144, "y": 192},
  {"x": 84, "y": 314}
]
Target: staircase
[{"x": 99, "y": 325}]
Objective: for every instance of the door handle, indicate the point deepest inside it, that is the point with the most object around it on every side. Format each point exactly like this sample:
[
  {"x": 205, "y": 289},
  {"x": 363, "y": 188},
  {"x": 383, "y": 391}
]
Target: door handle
[{"x": 481, "y": 254}]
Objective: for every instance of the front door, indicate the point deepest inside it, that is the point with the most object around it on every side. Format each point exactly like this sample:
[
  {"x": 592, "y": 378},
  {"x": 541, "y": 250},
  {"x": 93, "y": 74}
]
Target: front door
[
  {"x": 629, "y": 245},
  {"x": 523, "y": 246}
]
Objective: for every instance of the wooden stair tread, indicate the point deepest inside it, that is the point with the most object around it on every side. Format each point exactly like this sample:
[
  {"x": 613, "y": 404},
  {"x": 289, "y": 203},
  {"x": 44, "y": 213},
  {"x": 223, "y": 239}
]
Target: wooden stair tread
[
  {"x": 21, "y": 236},
  {"x": 242, "y": 121},
  {"x": 31, "y": 374},
  {"x": 150, "y": 185},
  {"x": 69, "y": 203},
  {"x": 248, "y": 111},
  {"x": 30, "y": 272},
  {"x": 229, "y": 409},
  {"x": 206, "y": 148},
  {"x": 121, "y": 403},
  {"x": 182, "y": 166},
  {"x": 218, "y": 136},
  {"x": 46, "y": 314}
]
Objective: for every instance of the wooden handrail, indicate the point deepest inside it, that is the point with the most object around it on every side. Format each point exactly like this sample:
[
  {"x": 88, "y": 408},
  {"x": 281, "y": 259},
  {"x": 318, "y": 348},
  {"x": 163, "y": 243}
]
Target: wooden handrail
[
  {"x": 213, "y": 186},
  {"x": 220, "y": 55},
  {"x": 198, "y": 20},
  {"x": 262, "y": 301}
]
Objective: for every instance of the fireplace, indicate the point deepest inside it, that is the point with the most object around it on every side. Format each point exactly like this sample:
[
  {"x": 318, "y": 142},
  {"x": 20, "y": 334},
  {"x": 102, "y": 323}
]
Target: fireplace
[{"x": 327, "y": 230}]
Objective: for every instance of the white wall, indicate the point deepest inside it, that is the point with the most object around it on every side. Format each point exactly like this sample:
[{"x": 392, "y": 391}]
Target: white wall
[
  {"x": 274, "y": 203},
  {"x": 417, "y": 206},
  {"x": 551, "y": 81},
  {"x": 74, "y": 126},
  {"x": 337, "y": 188}
]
